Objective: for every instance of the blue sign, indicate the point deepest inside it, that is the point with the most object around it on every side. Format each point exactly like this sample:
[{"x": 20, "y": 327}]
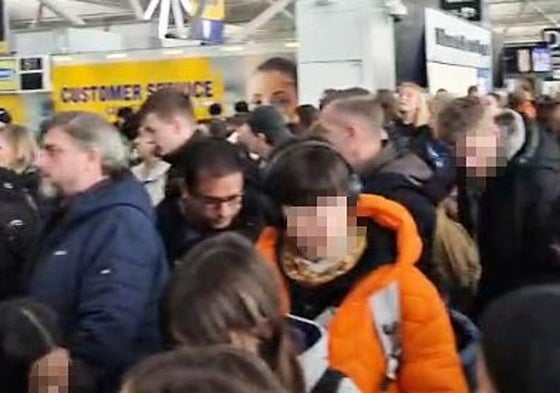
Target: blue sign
[{"x": 7, "y": 73}]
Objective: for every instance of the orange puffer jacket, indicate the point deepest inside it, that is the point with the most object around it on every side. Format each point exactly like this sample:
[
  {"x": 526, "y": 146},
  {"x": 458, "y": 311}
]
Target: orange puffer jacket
[{"x": 429, "y": 361}]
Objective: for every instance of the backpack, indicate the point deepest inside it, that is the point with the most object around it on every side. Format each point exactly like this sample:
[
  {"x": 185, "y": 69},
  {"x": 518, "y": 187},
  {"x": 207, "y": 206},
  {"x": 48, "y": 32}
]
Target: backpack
[{"x": 455, "y": 259}]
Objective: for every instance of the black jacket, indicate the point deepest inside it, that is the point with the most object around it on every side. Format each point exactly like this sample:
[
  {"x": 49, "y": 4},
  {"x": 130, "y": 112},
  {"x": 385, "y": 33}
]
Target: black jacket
[
  {"x": 514, "y": 212},
  {"x": 405, "y": 178},
  {"x": 19, "y": 230}
]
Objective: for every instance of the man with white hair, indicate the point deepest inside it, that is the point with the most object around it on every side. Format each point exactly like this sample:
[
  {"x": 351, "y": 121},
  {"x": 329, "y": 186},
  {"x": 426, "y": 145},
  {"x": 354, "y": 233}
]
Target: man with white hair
[{"x": 100, "y": 264}]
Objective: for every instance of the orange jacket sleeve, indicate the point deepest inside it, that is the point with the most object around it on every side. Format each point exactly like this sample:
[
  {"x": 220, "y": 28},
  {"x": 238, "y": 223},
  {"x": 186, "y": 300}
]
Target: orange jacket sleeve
[{"x": 430, "y": 360}]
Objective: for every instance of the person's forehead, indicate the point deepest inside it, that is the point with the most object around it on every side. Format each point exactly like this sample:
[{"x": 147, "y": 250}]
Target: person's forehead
[
  {"x": 56, "y": 136},
  {"x": 228, "y": 184}
]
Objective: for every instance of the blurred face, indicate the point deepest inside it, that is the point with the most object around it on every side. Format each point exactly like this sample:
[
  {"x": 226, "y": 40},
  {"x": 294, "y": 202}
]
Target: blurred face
[
  {"x": 274, "y": 88},
  {"x": 7, "y": 152},
  {"x": 168, "y": 134},
  {"x": 64, "y": 164},
  {"x": 409, "y": 99},
  {"x": 320, "y": 231},
  {"x": 479, "y": 149},
  {"x": 145, "y": 146},
  {"x": 217, "y": 200},
  {"x": 493, "y": 105}
]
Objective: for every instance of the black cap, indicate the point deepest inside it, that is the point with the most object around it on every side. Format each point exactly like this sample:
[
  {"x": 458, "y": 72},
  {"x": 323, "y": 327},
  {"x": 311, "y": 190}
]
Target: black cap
[{"x": 268, "y": 121}]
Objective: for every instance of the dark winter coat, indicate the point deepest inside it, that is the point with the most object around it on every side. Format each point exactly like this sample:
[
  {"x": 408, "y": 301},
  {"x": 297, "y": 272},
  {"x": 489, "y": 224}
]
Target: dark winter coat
[
  {"x": 101, "y": 267},
  {"x": 19, "y": 229},
  {"x": 514, "y": 213},
  {"x": 404, "y": 178}
]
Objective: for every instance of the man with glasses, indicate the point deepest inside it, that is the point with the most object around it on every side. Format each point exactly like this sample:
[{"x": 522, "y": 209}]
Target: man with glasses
[{"x": 213, "y": 198}]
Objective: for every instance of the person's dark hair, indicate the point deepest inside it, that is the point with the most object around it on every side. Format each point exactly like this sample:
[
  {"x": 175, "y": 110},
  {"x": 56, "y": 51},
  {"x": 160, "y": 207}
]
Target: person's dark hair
[
  {"x": 267, "y": 120},
  {"x": 125, "y": 112},
  {"x": 299, "y": 173},
  {"x": 5, "y": 116},
  {"x": 441, "y": 91},
  {"x": 167, "y": 102},
  {"x": 472, "y": 90},
  {"x": 162, "y": 371},
  {"x": 520, "y": 336},
  {"x": 308, "y": 115},
  {"x": 222, "y": 286},
  {"x": 215, "y": 109},
  {"x": 342, "y": 95},
  {"x": 280, "y": 64},
  {"x": 214, "y": 157},
  {"x": 459, "y": 117},
  {"x": 241, "y": 107},
  {"x": 28, "y": 331}
]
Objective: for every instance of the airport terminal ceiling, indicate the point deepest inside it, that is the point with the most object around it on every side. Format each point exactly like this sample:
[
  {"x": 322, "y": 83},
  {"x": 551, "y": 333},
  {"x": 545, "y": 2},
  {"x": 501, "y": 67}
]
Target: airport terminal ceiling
[{"x": 517, "y": 20}]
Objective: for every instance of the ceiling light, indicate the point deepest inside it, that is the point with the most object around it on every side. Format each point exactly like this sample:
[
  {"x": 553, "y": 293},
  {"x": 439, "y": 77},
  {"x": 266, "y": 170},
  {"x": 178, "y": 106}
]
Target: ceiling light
[
  {"x": 232, "y": 48},
  {"x": 116, "y": 56},
  {"x": 292, "y": 44}
]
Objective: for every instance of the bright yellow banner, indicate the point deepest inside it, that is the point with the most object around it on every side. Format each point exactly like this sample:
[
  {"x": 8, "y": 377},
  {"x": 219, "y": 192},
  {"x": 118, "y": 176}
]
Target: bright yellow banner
[
  {"x": 105, "y": 87},
  {"x": 8, "y": 75},
  {"x": 15, "y": 104},
  {"x": 215, "y": 9}
]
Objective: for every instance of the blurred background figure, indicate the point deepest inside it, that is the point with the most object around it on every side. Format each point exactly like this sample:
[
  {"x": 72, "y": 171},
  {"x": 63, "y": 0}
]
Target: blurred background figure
[
  {"x": 241, "y": 114},
  {"x": 388, "y": 101},
  {"x": 21, "y": 206},
  {"x": 217, "y": 126},
  {"x": 519, "y": 351},
  {"x": 152, "y": 170},
  {"x": 495, "y": 102},
  {"x": 264, "y": 131},
  {"x": 307, "y": 115},
  {"x": 127, "y": 122},
  {"x": 473, "y": 92},
  {"x": 522, "y": 100}
]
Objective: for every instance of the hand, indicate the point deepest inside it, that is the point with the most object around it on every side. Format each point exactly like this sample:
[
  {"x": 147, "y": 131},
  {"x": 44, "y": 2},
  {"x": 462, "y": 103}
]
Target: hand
[{"x": 50, "y": 374}]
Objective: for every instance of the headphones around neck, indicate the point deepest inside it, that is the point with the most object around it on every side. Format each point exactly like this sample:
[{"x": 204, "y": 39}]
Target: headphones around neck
[{"x": 284, "y": 153}]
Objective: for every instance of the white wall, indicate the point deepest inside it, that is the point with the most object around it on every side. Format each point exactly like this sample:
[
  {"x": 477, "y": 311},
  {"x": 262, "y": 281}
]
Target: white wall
[{"x": 344, "y": 43}]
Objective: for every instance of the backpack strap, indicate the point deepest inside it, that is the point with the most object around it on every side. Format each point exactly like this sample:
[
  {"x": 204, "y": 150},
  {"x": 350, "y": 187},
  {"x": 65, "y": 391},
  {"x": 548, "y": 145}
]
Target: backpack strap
[{"x": 386, "y": 313}]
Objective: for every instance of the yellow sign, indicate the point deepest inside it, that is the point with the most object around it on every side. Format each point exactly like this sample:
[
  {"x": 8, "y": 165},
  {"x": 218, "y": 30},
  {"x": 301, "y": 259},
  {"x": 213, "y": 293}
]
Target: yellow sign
[
  {"x": 215, "y": 9},
  {"x": 105, "y": 87},
  {"x": 8, "y": 75},
  {"x": 15, "y": 104}
]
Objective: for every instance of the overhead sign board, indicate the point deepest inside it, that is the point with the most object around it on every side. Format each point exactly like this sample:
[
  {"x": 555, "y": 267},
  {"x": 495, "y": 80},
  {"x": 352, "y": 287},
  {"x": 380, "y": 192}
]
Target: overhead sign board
[
  {"x": 466, "y": 9},
  {"x": 450, "y": 40}
]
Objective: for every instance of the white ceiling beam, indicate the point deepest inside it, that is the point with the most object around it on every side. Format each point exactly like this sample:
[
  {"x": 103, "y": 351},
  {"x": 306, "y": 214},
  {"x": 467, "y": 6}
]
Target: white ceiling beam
[
  {"x": 136, "y": 9},
  {"x": 63, "y": 12},
  {"x": 178, "y": 17},
  {"x": 284, "y": 12},
  {"x": 151, "y": 9},
  {"x": 262, "y": 19},
  {"x": 163, "y": 23}
]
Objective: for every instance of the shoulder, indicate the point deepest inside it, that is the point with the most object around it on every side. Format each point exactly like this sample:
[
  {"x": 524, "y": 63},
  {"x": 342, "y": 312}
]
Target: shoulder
[{"x": 420, "y": 298}]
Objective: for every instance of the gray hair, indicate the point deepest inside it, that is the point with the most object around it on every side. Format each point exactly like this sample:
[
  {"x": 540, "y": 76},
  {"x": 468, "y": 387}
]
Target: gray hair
[{"x": 92, "y": 131}]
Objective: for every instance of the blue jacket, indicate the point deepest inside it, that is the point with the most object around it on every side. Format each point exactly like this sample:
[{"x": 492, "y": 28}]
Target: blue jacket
[{"x": 101, "y": 267}]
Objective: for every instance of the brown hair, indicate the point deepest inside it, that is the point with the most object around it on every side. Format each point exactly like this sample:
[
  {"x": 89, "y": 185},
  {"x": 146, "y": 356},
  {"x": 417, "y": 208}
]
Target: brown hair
[
  {"x": 459, "y": 117},
  {"x": 24, "y": 145},
  {"x": 173, "y": 371},
  {"x": 223, "y": 286},
  {"x": 167, "y": 102}
]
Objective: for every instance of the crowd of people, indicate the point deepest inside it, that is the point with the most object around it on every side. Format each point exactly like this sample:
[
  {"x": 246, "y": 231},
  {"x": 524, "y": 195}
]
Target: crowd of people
[{"x": 379, "y": 242}]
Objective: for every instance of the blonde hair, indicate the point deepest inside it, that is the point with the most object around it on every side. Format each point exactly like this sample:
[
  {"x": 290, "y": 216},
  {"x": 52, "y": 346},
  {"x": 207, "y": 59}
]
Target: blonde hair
[
  {"x": 24, "y": 144},
  {"x": 422, "y": 117}
]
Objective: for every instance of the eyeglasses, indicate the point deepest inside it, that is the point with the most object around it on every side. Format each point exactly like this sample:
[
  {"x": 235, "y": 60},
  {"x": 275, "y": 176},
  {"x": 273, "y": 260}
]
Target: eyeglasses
[{"x": 214, "y": 203}]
